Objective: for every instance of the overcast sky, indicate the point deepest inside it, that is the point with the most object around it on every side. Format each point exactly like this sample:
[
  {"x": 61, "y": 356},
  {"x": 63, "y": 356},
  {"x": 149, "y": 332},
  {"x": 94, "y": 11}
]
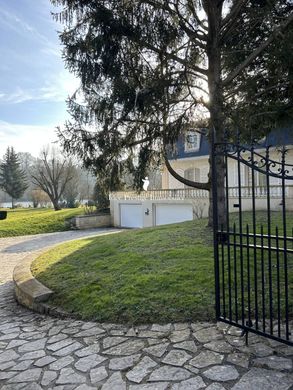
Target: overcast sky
[{"x": 34, "y": 82}]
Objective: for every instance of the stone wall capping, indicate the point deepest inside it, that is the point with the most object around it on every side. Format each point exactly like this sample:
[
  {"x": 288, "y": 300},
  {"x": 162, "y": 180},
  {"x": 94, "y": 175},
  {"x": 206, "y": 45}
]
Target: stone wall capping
[{"x": 28, "y": 290}]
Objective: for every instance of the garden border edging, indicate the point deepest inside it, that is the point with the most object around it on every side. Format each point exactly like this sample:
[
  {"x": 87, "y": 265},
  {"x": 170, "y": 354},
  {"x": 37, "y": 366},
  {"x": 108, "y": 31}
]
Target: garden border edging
[{"x": 31, "y": 293}]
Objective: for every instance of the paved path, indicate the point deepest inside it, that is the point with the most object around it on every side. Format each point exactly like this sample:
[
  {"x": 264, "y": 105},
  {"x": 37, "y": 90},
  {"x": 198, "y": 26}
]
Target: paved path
[{"x": 39, "y": 352}]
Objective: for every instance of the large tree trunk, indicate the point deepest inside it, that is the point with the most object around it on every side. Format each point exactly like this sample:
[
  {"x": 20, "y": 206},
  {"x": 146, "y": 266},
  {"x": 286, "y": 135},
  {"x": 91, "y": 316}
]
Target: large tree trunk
[{"x": 214, "y": 12}]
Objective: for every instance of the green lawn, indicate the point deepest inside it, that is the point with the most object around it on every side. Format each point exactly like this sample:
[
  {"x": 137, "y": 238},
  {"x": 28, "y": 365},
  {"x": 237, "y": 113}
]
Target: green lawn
[
  {"x": 152, "y": 275},
  {"x": 157, "y": 274},
  {"x": 34, "y": 221}
]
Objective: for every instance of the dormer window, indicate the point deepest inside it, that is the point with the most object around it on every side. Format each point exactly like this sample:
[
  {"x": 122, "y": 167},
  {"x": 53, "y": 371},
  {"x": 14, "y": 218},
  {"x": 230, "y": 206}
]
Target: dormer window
[{"x": 192, "y": 141}]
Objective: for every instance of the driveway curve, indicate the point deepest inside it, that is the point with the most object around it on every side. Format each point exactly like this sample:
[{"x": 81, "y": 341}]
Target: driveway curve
[{"x": 41, "y": 352}]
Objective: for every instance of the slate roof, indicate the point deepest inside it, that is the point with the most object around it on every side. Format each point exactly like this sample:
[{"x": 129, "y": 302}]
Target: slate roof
[{"x": 277, "y": 137}]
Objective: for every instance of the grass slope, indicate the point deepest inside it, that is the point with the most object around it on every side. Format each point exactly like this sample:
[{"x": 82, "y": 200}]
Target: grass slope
[
  {"x": 153, "y": 275},
  {"x": 157, "y": 274},
  {"x": 34, "y": 221}
]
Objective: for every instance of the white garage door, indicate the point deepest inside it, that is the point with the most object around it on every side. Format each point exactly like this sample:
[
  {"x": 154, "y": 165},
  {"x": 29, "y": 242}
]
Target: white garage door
[
  {"x": 131, "y": 215},
  {"x": 167, "y": 213}
]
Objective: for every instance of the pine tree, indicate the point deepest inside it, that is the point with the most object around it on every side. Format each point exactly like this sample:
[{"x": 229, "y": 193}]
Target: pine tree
[
  {"x": 149, "y": 68},
  {"x": 12, "y": 177}
]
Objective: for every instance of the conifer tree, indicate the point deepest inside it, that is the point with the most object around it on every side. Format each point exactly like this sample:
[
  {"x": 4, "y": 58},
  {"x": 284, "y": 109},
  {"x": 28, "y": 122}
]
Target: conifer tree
[
  {"x": 12, "y": 178},
  {"x": 149, "y": 68}
]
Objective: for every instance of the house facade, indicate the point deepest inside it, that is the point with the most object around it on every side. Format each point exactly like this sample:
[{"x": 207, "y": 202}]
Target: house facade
[
  {"x": 176, "y": 202},
  {"x": 192, "y": 160}
]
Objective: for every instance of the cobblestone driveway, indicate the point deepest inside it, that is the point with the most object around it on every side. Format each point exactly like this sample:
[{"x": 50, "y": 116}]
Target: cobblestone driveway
[{"x": 39, "y": 352}]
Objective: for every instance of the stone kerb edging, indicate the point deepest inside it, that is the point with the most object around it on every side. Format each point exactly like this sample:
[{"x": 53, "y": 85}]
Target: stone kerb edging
[{"x": 29, "y": 291}]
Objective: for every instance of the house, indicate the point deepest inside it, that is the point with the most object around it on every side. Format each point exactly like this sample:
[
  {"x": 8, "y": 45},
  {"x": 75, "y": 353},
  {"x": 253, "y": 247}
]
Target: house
[
  {"x": 176, "y": 202},
  {"x": 191, "y": 159}
]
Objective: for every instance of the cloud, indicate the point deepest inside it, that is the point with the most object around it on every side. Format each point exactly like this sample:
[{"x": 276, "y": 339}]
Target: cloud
[
  {"x": 25, "y": 138},
  {"x": 20, "y": 26},
  {"x": 56, "y": 89}
]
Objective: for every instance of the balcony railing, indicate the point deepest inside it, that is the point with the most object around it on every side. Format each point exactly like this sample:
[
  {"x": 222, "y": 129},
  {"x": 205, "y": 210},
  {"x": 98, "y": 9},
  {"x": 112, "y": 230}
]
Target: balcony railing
[{"x": 193, "y": 193}]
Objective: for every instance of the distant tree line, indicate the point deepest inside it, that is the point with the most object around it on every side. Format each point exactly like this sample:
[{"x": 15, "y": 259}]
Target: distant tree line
[{"x": 50, "y": 179}]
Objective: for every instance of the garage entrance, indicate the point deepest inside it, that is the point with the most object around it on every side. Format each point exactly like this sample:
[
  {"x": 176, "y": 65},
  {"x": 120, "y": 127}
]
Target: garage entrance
[
  {"x": 131, "y": 215},
  {"x": 172, "y": 213}
]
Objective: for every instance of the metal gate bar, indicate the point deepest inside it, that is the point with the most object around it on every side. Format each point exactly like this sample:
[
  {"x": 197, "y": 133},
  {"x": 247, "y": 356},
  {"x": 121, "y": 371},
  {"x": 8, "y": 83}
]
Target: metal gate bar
[{"x": 252, "y": 260}]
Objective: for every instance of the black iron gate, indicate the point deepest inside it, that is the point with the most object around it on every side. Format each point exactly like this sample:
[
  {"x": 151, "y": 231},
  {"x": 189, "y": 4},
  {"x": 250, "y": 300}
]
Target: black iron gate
[{"x": 253, "y": 238}]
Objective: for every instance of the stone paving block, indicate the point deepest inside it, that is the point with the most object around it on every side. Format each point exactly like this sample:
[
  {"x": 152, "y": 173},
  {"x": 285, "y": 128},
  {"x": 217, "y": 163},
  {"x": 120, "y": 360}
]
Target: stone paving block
[
  {"x": 122, "y": 363},
  {"x": 127, "y": 348},
  {"x": 152, "y": 334},
  {"x": 44, "y": 361},
  {"x": 274, "y": 362},
  {"x": 48, "y": 377},
  {"x": 22, "y": 366},
  {"x": 190, "y": 384},
  {"x": 176, "y": 357},
  {"x": 8, "y": 355},
  {"x": 114, "y": 340},
  {"x": 3, "y": 345},
  {"x": 33, "y": 386},
  {"x": 186, "y": 345},
  {"x": 150, "y": 386},
  {"x": 15, "y": 343},
  {"x": 98, "y": 374},
  {"x": 32, "y": 346},
  {"x": 60, "y": 344},
  {"x": 33, "y": 355},
  {"x": 56, "y": 338},
  {"x": 151, "y": 341},
  {"x": 10, "y": 336},
  {"x": 68, "y": 375},
  {"x": 91, "y": 349},
  {"x": 55, "y": 330},
  {"x": 157, "y": 350},
  {"x": 145, "y": 354},
  {"x": 5, "y": 365},
  {"x": 206, "y": 358},
  {"x": 238, "y": 358},
  {"x": 89, "y": 332},
  {"x": 11, "y": 330},
  {"x": 141, "y": 370},
  {"x": 180, "y": 325},
  {"x": 61, "y": 363},
  {"x": 6, "y": 375},
  {"x": 14, "y": 386},
  {"x": 169, "y": 373},
  {"x": 259, "y": 378},
  {"x": 161, "y": 328},
  {"x": 219, "y": 346},
  {"x": 261, "y": 350},
  {"x": 200, "y": 325},
  {"x": 31, "y": 375},
  {"x": 221, "y": 373},
  {"x": 86, "y": 363},
  {"x": 207, "y": 334},
  {"x": 68, "y": 350},
  {"x": 191, "y": 368},
  {"x": 115, "y": 382},
  {"x": 179, "y": 335},
  {"x": 215, "y": 386},
  {"x": 85, "y": 387}
]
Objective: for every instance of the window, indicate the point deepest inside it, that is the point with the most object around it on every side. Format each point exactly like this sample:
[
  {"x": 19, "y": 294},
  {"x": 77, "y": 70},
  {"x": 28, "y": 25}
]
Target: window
[
  {"x": 192, "y": 174},
  {"x": 192, "y": 141}
]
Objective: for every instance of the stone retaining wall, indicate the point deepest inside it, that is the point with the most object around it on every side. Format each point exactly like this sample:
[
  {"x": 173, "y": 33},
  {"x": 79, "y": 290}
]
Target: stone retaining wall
[{"x": 92, "y": 221}]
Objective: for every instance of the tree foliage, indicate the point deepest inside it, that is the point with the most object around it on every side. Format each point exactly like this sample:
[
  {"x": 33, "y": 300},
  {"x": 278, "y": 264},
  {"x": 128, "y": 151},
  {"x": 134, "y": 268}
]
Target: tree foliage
[
  {"x": 12, "y": 178},
  {"x": 150, "y": 69}
]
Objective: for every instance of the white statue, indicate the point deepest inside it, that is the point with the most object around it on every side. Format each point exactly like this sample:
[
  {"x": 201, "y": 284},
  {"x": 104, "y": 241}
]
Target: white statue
[{"x": 146, "y": 183}]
